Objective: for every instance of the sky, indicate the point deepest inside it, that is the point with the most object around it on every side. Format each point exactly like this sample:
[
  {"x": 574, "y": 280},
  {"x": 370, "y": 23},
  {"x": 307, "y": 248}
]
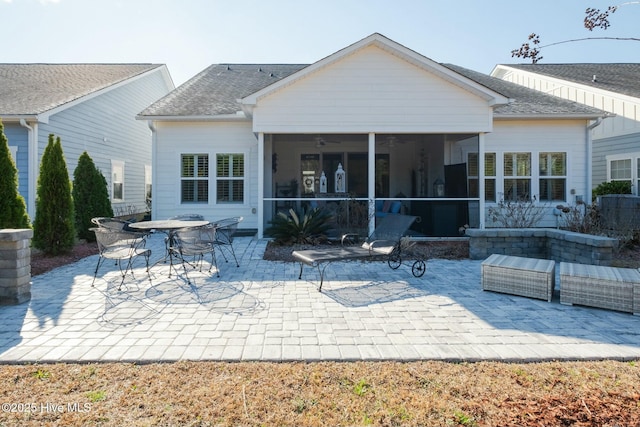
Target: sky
[{"x": 189, "y": 35}]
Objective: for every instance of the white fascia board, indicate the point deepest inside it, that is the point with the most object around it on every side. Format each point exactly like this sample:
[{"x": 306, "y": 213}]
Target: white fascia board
[
  {"x": 238, "y": 117},
  {"x": 10, "y": 118},
  {"x": 549, "y": 116},
  {"x": 393, "y": 48}
]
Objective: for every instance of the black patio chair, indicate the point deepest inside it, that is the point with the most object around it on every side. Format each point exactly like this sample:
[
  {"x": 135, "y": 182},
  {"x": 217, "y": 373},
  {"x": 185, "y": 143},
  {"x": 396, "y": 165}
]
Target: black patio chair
[
  {"x": 225, "y": 230},
  {"x": 194, "y": 243},
  {"x": 120, "y": 245}
]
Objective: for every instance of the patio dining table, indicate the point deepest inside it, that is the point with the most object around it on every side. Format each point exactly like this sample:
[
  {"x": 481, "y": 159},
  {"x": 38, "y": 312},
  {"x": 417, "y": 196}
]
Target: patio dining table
[{"x": 168, "y": 226}]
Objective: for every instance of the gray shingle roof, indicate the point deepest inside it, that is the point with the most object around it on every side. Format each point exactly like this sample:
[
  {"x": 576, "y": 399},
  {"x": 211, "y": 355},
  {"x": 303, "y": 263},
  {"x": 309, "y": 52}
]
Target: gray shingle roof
[
  {"x": 216, "y": 90},
  {"x": 619, "y": 78},
  {"x": 30, "y": 89},
  {"x": 526, "y": 101}
]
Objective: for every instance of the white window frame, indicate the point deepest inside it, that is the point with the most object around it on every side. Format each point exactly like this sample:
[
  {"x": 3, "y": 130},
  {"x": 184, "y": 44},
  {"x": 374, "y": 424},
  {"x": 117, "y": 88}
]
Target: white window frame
[
  {"x": 554, "y": 177},
  {"x": 117, "y": 166},
  {"x": 148, "y": 183},
  {"x": 194, "y": 178},
  {"x": 530, "y": 177},
  {"x": 487, "y": 178},
  {"x": 635, "y": 169},
  {"x": 230, "y": 177}
]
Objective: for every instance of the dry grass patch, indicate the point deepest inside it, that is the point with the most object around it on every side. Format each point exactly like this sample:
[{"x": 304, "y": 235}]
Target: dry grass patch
[{"x": 605, "y": 393}]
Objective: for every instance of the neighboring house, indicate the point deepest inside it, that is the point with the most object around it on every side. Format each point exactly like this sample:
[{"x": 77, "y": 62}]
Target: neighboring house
[
  {"x": 614, "y": 88},
  {"x": 446, "y": 142},
  {"x": 91, "y": 107}
]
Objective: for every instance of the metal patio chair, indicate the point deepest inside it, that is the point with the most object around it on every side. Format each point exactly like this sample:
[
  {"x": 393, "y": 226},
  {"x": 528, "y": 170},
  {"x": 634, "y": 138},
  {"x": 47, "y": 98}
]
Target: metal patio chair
[
  {"x": 225, "y": 230},
  {"x": 194, "y": 243},
  {"x": 120, "y": 245}
]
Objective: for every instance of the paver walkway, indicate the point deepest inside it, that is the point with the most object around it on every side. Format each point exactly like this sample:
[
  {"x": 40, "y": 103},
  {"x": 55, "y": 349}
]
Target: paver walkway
[{"x": 260, "y": 311}]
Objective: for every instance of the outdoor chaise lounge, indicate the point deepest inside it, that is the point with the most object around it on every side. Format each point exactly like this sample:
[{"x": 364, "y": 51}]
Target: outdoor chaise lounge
[{"x": 385, "y": 241}]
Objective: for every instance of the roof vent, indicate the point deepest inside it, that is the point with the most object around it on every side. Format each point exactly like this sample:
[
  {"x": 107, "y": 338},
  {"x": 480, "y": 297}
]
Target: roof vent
[
  {"x": 228, "y": 68},
  {"x": 260, "y": 69},
  {"x": 594, "y": 79},
  {"x": 271, "y": 75}
]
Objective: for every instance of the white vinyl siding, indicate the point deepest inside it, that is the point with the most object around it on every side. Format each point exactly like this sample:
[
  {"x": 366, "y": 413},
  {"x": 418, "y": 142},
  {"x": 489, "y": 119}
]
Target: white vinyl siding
[
  {"x": 175, "y": 139},
  {"x": 105, "y": 127},
  {"x": 372, "y": 91},
  {"x": 625, "y": 108},
  {"x": 536, "y": 137}
]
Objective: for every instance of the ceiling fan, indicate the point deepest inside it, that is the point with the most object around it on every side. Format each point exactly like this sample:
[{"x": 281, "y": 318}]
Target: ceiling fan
[
  {"x": 392, "y": 140},
  {"x": 320, "y": 142}
]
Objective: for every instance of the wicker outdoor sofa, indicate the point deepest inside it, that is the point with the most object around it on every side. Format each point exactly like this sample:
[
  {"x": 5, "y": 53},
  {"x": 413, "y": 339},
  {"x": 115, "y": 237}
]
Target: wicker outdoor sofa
[
  {"x": 611, "y": 288},
  {"x": 527, "y": 277}
]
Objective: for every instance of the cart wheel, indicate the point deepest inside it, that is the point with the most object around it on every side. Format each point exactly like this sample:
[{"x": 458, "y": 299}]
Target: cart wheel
[
  {"x": 419, "y": 267},
  {"x": 394, "y": 260}
]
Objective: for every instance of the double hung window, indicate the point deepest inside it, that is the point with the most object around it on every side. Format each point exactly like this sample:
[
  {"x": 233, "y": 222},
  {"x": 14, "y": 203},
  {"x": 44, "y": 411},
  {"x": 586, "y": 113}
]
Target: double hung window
[
  {"x": 117, "y": 181},
  {"x": 489, "y": 175},
  {"x": 517, "y": 176},
  {"x": 553, "y": 176},
  {"x": 230, "y": 178},
  {"x": 621, "y": 170},
  {"x": 194, "y": 177}
]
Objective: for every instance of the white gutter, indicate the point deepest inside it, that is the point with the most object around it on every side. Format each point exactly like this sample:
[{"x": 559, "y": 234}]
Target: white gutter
[
  {"x": 32, "y": 165},
  {"x": 590, "y": 159}
]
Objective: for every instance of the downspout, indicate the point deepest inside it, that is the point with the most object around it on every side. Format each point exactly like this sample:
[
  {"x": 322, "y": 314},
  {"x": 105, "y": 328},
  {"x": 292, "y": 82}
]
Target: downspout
[
  {"x": 32, "y": 173},
  {"x": 154, "y": 151},
  {"x": 590, "y": 158}
]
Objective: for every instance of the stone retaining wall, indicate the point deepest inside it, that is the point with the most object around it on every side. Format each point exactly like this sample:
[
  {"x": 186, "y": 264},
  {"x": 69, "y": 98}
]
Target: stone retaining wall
[
  {"x": 15, "y": 266},
  {"x": 557, "y": 245}
]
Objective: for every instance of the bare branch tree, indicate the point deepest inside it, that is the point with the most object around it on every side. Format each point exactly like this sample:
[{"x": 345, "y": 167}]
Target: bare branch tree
[{"x": 594, "y": 18}]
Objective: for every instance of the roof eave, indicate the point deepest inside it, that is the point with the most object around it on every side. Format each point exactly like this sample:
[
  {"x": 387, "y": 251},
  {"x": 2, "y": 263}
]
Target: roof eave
[
  {"x": 6, "y": 118},
  {"x": 576, "y": 116},
  {"x": 239, "y": 116}
]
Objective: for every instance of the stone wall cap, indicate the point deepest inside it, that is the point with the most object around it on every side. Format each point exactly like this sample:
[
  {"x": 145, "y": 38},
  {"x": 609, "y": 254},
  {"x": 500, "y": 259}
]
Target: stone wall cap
[{"x": 13, "y": 234}]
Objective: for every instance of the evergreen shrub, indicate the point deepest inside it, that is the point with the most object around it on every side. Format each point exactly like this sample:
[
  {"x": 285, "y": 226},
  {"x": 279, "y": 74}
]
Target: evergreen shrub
[{"x": 53, "y": 228}]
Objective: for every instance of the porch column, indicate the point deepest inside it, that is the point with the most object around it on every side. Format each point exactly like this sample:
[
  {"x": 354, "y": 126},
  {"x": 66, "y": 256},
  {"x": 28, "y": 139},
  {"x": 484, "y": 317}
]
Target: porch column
[
  {"x": 481, "y": 179},
  {"x": 371, "y": 182},
  {"x": 260, "y": 207}
]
